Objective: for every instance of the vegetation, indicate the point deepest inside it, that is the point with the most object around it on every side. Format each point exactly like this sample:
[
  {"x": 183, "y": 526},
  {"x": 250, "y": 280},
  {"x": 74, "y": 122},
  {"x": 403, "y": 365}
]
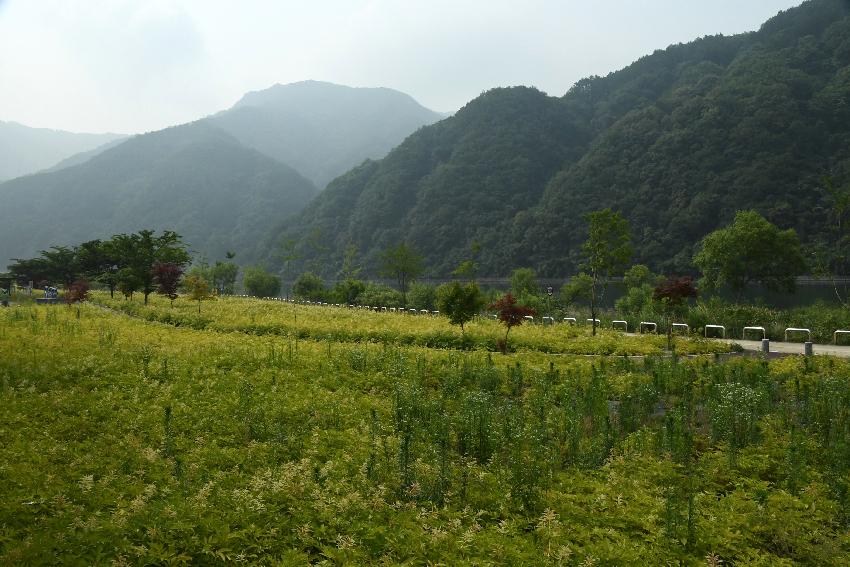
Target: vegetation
[
  {"x": 511, "y": 314},
  {"x": 195, "y": 179},
  {"x": 750, "y": 250},
  {"x": 403, "y": 264},
  {"x": 260, "y": 283},
  {"x": 677, "y": 142},
  {"x": 128, "y": 442},
  {"x": 460, "y": 302}
]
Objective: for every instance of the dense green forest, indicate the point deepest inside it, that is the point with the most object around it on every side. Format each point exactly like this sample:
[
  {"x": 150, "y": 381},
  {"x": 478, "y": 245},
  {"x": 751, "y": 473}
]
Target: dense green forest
[{"x": 677, "y": 142}]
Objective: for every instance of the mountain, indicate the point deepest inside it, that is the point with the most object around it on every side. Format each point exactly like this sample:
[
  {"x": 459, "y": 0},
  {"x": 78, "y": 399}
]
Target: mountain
[
  {"x": 322, "y": 129},
  {"x": 677, "y": 142},
  {"x": 195, "y": 179},
  {"x": 25, "y": 150},
  {"x": 85, "y": 156}
]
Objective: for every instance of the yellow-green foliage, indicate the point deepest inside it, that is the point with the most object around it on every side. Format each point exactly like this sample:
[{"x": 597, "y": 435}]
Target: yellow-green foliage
[
  {"x": 132, "y": 442},
  {"x": 264, "y": 317}
]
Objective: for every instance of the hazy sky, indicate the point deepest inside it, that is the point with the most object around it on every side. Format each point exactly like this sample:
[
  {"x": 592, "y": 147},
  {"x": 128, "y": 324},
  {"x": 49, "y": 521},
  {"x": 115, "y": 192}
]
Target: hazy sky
[{"x": 137, "y": 65}]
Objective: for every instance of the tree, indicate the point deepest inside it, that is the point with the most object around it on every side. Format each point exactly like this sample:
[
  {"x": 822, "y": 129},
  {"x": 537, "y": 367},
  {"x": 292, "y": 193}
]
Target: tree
[
  {"x": 460, "y": 303},
  {"x": 831, "y": 258},
  {"x": 639, "y": 282},
  {"x": 198, "y": 289},
  {"x": 605, "y": 253},
  {"x": 77, "y": 292},
  {"x": 510, "y": 315},
  {"x": 137, "y": 253},
  {"x": 524, "y": 282},
  {"x": 167, "y": 276},
  {"x": 750, "y": 250},
  {"x": 223, "y": 276},
  {"x": 468, "y": 269},
  {"x": 672, "y": 295},
  {"x": 260, "y": 283},
  {"x": 308, "y": 286},
  {"x": 404, "y": 264},
  {"x": 422, "y": 296}
]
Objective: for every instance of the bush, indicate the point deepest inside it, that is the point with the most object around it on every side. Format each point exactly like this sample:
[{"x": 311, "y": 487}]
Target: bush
[
  {"x": 260, "y": 283},
  {"x": 422, "y": 296},
  {"x": 309, "y": 286},
  {"x": 380, "y": 295},
  {"x": 347, "y": 291}
]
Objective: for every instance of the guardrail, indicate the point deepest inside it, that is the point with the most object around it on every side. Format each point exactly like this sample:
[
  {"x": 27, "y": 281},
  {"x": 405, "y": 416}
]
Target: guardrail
[
  {"x": 798, "y": 330},
  {"x": 570, "y": 320},
  {"x": 682, "y": 326},
  {"x": 744, "y": 332},
  {"x": 623, "y": 323},
  {"x": 838, "y": 332},
  {"x": 648, "y": 324},
  {"x": 722, "y": 329}
]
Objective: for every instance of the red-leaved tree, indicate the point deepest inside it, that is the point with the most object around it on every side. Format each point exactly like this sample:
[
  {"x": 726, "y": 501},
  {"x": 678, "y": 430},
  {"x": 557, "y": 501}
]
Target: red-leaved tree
[
  {"x": 77, "y": 293},
  {"x": 672, "y": 295},
  {"x": 511, "y": 315},
  {"x": 167, "y": 276}
]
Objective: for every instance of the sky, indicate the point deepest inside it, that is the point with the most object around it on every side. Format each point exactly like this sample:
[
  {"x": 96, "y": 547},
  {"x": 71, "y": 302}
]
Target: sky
[{"x": 131, "y": 66}]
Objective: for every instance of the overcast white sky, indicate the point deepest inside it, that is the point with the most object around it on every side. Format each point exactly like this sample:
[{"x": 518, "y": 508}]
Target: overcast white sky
[{"x": 138, "y": 65}]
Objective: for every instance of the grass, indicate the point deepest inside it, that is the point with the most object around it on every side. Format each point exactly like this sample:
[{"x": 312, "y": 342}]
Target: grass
[
  {"x": 129, "y": 442},
  {"x": 262, "y": 317}
]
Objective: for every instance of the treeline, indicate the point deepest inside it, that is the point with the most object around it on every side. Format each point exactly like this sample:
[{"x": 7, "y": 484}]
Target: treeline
[{"x": 141, "y": 262}]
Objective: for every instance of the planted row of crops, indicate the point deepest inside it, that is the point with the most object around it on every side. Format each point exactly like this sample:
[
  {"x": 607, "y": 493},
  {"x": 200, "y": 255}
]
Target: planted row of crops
[
  {"x": 259, "y": 317},
  {"x": 136, "y": 443}
]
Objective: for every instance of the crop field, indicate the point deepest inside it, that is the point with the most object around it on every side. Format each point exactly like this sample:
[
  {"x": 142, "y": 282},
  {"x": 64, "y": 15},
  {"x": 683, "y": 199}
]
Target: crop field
[
  {"x": 273, "y": 434},
  {"x": 325, "y": 323}
]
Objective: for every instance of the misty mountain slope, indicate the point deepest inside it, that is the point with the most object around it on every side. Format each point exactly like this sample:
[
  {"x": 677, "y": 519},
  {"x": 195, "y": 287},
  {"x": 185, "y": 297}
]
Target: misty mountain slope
[
  {"x": 491, "y": 160},
  {"x": 194, "y": 179},
  {"x": 85, "y": 156},
  {"x": 25, "y": 150},
  {"x": 322, "y": 129},
  {"x": 677, "y": 142}
]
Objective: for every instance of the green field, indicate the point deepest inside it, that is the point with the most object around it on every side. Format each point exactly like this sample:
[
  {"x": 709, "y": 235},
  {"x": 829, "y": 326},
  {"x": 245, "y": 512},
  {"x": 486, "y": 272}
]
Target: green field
[{"x": 268, "y": 433}]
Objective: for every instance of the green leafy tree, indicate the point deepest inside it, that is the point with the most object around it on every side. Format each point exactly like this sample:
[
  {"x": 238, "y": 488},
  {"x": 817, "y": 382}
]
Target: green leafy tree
[
  {"x": 138, "y": 253},
  {"x": 223, "y": 277},
  {"x": 403, "y": 264},
  {"x": 347, "y": 291},
  {"x": 832, "y": 257},
  {"x": 524, "y": 282},
  {"x": 639, "y": 283},
  {"x": 459, "y": 302},
  {"x": 422, "y": 296},
  {"x": 308, "y": 286},
  {"x": 750, "y": 250},
  {"x": 468, "y": 269},
  {"x": 605, "y": 253},
  {"x": 260, "y": 283}
]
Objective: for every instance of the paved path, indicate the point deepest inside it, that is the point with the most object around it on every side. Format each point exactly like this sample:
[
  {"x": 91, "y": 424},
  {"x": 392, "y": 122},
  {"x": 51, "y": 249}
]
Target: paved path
[{"x": 792, "y": 348}]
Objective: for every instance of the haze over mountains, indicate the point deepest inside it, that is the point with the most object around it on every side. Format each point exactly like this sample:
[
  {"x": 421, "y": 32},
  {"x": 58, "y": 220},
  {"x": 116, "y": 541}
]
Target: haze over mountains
[
  {"x": 222, "y": 182},
  {"x": 677, "y": 141},
  {"x": 25, "y": 150}
]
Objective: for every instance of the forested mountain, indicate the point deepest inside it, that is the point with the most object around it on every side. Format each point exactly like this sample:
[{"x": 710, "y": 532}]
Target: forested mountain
[
  {"x": 322, "y": 129},
  {"x": 195, "y": 179},
  {"x": 677, "y": 141},
  {"x": 25, "y": 150}
]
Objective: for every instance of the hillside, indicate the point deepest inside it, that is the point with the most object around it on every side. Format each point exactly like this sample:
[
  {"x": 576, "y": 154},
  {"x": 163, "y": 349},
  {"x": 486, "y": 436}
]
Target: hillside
[
  {"x": 322, "y": 129},
  {"x": 194, "y": 179},
  {"x": 25, "y": 150},
  {"x": 677, "y": 142}
]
